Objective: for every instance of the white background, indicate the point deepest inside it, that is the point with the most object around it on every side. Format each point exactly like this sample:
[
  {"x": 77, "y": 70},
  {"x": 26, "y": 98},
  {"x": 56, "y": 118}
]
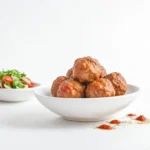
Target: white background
[{"x": 43, "y": 37}]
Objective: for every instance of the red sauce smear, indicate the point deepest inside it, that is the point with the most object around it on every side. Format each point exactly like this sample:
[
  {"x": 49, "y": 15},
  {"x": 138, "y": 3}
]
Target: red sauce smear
[
  {"x": 115, "y": 122},
  {"x": 131, "y": 115},
  {"x": 66, "y": 89},
  {"x": 141, "y": 118},
  {"x": 99, "y": 86},
  {"x": 105, "y": 127}
]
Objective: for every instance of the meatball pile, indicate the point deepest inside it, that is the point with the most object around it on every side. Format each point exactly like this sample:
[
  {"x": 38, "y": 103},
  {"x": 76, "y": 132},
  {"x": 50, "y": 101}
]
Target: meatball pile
[{"x": 88, "y": 78}]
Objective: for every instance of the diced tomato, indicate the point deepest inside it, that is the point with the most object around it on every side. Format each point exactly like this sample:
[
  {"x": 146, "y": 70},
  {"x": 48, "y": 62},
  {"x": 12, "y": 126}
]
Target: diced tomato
[
  {"x": 8, "y": 79},
  {"x": 32, "y": 84}
]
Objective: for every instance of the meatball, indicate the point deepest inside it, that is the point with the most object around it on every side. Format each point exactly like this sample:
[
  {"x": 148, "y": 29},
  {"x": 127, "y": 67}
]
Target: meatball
[
  {"x": 71, "y": 89},
  {"x": 69, "y": 73},
  {"x": 103, "y": 72},
  {"x": 56, "y": 83},
  {"x": 119, "y": 82},
  {"x": 86, "y": 69},
  {"x": 100, "y": 88}
]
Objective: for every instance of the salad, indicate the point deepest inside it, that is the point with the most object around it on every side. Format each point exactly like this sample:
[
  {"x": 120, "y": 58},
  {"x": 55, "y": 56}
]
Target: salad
[{"x": 15, "y": 80}]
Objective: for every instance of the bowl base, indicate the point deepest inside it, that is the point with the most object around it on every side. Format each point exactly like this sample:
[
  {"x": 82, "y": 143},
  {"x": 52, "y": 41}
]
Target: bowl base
[
  {"x": 14, "y": 101},
  {"x": 88, "y": 119}
]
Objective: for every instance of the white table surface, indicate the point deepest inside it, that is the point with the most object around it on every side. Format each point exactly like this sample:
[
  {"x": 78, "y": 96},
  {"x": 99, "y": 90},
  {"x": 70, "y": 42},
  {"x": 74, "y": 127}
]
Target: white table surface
[
  {"x": 28, "y": 125},
  {"x": 43, "y": 38}
]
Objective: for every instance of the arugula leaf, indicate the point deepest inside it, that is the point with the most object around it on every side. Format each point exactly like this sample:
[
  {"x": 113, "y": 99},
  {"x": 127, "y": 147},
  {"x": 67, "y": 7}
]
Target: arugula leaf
[{"x": 12, "y": 72}]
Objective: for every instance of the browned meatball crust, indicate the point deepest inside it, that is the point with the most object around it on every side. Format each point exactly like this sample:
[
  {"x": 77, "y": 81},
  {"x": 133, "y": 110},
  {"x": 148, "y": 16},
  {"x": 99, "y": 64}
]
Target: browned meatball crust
[
  {"x": 56, "y": 83},
  {"x": 119, "y": 82},
  {"x": 100, "y": 88},
  {"x": 86, "y": 69},
  {"x": 71, "y": 89},
  {"x": 103, "y": 72},
  {"x": 70, "y": 73}
]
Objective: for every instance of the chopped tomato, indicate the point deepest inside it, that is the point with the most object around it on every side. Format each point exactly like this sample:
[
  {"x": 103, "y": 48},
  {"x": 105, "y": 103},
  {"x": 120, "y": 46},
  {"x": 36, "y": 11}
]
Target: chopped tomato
[
  {"x": 32, "y": 84},
  {"x": 8, "y": 79}
]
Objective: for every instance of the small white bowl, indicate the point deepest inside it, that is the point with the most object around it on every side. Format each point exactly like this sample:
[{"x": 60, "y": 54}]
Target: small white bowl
[
  {"x": 86, "y": 109},
  {"x": 17, "y": 95}
]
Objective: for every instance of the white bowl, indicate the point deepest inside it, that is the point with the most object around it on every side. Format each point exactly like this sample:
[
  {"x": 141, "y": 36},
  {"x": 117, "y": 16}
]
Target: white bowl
[
  {"x": 17, "y": 95},
  {"x": 86, "y": 109}
]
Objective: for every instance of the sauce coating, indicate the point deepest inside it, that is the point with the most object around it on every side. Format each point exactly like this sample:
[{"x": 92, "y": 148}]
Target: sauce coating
[
  {"x": 105, "y": 127},
  {"x": 66, "y": 89},
  {"x": 115, "y": 122}
]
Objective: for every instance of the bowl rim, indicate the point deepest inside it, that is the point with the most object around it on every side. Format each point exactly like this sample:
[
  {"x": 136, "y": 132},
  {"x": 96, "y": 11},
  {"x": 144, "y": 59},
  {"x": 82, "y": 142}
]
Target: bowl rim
[
  {"x": 138, "y": 90},
  {"x": 37, "y": 85}
]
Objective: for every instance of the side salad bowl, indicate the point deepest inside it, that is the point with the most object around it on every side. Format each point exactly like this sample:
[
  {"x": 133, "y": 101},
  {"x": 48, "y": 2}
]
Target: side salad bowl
[
  {"x": 17, "y": 95},
  {"x": 16, "y": 86}
]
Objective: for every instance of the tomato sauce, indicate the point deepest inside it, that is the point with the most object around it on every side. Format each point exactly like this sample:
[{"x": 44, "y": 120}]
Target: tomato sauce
[
  {"x": 105, "y": 127},
  {"x": 115, "y": 122},
  {"x": 100, "y": 86},
  {"x": 141, "y": 118},
  {"x": 66, "y": 89},
  {"x": 131, "y": 115}
]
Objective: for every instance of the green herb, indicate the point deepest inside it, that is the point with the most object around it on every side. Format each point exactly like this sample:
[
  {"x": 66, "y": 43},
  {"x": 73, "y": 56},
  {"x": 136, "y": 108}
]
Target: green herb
[
  {"x": 20, "y": 85},
  {"x": 17, "y": 83},
  {"x": 13, "y": 72}
]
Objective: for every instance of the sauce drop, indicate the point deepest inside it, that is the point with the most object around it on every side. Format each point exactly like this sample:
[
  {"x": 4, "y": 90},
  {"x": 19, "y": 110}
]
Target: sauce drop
[
  {"x": 105, "y": 127},
  {"x": 115, "y": 122},
  {"x": 131, "y": 115},
  {"x": 141, "y": 118}
]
